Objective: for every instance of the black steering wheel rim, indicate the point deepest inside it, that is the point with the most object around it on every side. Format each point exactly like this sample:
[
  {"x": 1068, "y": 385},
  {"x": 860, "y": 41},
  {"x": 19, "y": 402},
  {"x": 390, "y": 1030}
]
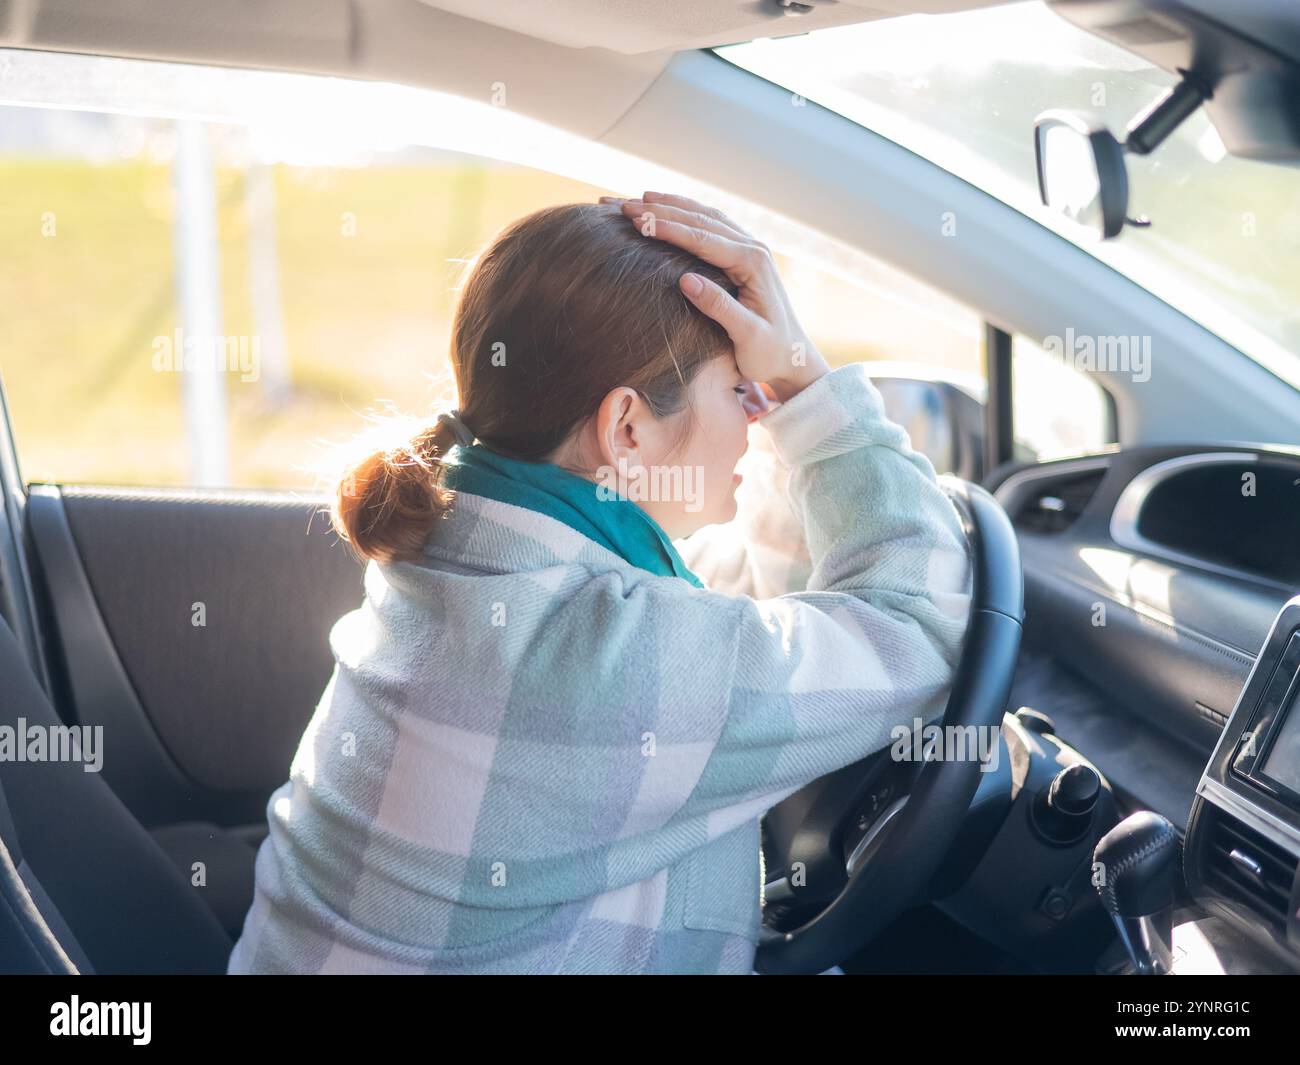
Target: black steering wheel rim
[{"x": 906, "y": 854}]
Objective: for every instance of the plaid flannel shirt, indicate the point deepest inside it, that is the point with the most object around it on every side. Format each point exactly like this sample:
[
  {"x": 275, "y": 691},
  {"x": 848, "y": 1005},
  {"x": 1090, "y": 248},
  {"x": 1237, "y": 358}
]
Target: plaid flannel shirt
[{"x": 533, "y": 757}]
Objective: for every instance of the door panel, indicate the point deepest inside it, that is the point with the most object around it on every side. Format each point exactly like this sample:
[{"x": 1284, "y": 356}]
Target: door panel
[{"x": 202, "y": 705}]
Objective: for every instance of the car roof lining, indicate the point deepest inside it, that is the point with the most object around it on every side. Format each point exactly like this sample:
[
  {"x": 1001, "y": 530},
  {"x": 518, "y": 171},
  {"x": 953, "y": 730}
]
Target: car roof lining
[
  {"x": 626, "y": 26},
  {"x": 632, "y": 26},
  {"x": 582, "y": 64},
  {"x": 576, "y": 64}
]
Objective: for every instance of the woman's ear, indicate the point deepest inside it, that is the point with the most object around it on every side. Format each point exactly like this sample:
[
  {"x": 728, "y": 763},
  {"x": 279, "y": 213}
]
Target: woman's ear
[{"x": 620, "y": 426}]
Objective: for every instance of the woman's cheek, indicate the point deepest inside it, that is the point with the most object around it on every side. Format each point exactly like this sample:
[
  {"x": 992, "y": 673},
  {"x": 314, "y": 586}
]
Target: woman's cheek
[
  {"x": 733, "y": 448},
  {"x": 719, "y": 452}
]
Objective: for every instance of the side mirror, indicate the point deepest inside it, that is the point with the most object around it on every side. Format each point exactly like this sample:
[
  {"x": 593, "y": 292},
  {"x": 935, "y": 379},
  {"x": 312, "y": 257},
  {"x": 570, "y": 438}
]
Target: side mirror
[
  {"x": 943, "y": 421},
  {"x": 1081, "y": 172}
]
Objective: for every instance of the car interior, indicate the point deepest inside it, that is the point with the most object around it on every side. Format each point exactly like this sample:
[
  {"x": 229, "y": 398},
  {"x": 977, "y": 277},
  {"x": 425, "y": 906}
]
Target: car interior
[{"x": 1135, "y": 632}]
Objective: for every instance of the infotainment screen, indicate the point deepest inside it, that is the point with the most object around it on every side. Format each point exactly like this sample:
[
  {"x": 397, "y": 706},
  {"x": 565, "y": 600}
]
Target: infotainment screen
[
  {"x": 1268, "y": 751},
  {"x": 1283, "y": 762}
]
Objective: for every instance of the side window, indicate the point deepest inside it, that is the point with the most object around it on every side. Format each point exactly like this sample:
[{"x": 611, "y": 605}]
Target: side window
[
  {"x": 1056, "y": 408},
  {"x": 222, "y": 302},
  {"x": 922, "y": 348},
  {"x": 186, "y": 307},
  {"x": 862, "y": 309},
  {"x": 925, "y": 352}
]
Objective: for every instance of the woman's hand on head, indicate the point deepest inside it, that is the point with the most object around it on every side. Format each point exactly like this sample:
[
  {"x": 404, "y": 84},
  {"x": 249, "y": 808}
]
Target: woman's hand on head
[{"x": 770, "y": 344}]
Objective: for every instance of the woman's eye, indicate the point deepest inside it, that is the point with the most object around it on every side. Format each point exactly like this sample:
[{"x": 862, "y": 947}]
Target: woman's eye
[{"x": 740, "y": 390}]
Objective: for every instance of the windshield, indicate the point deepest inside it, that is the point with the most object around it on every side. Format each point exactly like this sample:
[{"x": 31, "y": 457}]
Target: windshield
[{"x": 963, "y": 90}]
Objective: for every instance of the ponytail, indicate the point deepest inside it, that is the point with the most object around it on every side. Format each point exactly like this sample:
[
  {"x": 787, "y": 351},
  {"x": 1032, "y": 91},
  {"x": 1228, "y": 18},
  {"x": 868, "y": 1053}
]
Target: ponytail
[{"x": 387, "y": 503}]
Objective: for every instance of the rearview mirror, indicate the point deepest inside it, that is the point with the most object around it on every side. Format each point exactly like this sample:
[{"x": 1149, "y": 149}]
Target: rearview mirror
[{"x": 1081, "y": 172}]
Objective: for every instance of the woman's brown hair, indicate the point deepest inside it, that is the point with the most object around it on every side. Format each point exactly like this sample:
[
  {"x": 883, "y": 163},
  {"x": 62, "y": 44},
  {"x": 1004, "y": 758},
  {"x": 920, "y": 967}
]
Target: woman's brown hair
[{"x": 563, "y": 306}]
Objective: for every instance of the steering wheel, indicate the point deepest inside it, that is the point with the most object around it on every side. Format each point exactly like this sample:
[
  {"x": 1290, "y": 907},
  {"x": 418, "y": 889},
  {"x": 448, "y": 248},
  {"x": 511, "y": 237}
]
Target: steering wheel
[{"x": 877, "y": 831}]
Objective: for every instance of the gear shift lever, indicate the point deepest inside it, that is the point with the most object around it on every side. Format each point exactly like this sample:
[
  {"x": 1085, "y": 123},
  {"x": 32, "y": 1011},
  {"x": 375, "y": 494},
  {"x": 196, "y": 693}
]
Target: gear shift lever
[{"x": 1138, "y": 865}]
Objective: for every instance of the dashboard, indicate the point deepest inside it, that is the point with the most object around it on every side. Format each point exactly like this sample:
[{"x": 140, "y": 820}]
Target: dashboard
[
  {"x": 1154, "y": 574},
  {"x": 1165, "y": 580}
]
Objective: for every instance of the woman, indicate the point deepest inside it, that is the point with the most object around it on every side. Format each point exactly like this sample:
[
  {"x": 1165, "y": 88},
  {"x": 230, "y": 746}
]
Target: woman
[{"x": 546, "y": 746}]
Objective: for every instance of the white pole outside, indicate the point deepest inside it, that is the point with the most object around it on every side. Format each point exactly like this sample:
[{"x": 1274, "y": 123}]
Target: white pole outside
[
  {"x": 198, "y": 287},
  {"x": 264, "y": 279}
]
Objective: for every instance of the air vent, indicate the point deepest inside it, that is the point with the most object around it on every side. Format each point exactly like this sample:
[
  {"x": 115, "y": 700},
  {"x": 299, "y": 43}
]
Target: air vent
[
  {"x": 1247, "y": 869},
  {"x": 1052, "y": 506}
]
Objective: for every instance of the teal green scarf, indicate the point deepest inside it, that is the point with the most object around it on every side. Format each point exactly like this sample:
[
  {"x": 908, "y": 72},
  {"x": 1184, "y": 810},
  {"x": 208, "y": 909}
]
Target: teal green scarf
[{"x": 616, "y": 524}]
